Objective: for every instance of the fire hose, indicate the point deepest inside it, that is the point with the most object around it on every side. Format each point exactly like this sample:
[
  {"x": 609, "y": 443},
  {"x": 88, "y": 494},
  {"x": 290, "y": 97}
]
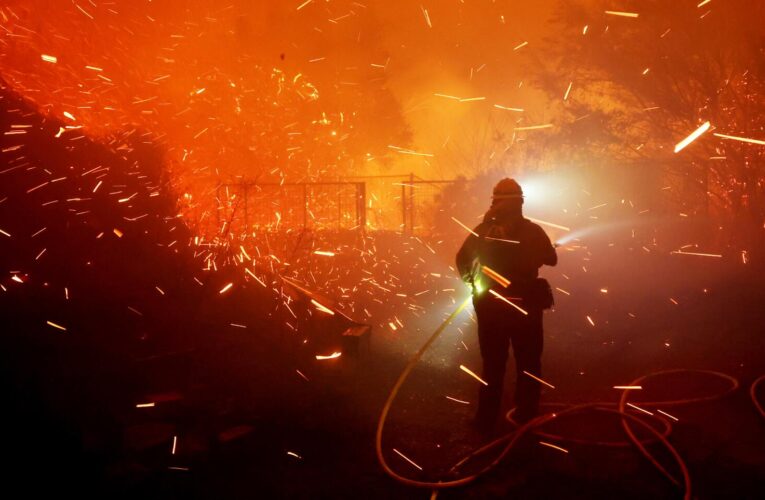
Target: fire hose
[{"x": 512, "y": 438}]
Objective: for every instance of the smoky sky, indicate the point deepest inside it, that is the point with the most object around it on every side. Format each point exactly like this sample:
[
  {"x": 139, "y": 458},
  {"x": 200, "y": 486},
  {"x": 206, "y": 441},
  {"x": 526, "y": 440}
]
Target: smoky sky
[{"x": 397, "y": 53}]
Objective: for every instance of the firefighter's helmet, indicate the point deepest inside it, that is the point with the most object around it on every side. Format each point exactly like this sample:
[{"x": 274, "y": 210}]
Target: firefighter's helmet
[{"x": 507, "y": 188}]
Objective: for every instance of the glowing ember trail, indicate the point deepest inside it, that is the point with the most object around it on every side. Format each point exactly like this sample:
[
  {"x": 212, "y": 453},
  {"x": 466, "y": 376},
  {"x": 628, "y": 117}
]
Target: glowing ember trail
[
  {"x": 491, "y": 273},
  {"x": 508, "y": 301},
  {"x": 694, "y": 135},
  {"x": 406, "y": 458},
  {"x": 54, "y": 325},
  {"x": 322, "y": 308},
  {"x": 740, "y": 139},
  {"x": 472, "y": 374},
  {"x": 334, "y": 355},
  {"x": 539, "y": 380},
  {"x": 550, "y": 445},
  {"x": 465, "y": 227}
]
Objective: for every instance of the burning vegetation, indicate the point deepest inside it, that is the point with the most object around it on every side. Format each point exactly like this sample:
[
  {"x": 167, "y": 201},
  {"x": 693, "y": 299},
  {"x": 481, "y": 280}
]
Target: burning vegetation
[{"x": 224, "y": 227}]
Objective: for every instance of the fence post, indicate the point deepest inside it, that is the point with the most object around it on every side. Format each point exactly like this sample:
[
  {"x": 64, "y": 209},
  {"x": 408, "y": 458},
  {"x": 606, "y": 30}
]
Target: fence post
[
  {"x": 411, "y": 203},
  {"x": 361, "y": 205},
  {"x": 403, "y": 205},
  {"x": 305, "y": 206},
  {"x": 218, "y": 208},
  {"x": 246, "y": 188}
]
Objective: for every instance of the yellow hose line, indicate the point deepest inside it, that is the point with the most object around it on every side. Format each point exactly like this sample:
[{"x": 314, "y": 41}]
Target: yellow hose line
[
  {"x": 513, "y": 437},
  {"x": 392, "y": 396}
]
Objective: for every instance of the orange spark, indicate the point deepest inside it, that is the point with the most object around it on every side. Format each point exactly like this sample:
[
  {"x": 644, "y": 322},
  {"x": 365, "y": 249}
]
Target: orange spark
[
  {"x": 695, "y": 135},
  {"x": 539, "y": 380},
  {"x": 427, "y": 16},
  {"x": 550, "y": 445},
  {"x": 491, "y": 273},
  {"x": 322, "y": 308},
  {"x": 304, "y": 4},
  {"x": 457, "y": 400},
  {"x": 628, "y": 387},
  {"x": 680, "y": 252},
  {"x": 545, "y": 223},
  {"x": 668, "y": 415},
  {"x": 226, "y": 288},
  {"x": 621, "y": 14},
  {"x": 505, "y": 299},
  {"x": 535, "y": 127},
  {"x": 334, "y": 355},
  {"x": 467, "y": 228},
  {"x": 406, "y": 458},
  {"x": 741, "y": 139},
  {"x": 518, "y": 110},
  {"x": 469, "y": 372},
  {"x": 639, "y": 409},
  {"x": 54, "y": 325}
]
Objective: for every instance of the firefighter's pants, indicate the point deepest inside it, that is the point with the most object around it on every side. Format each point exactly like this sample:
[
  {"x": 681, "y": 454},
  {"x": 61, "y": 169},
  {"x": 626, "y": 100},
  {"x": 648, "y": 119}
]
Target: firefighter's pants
[{"x": 499, "y": 324}]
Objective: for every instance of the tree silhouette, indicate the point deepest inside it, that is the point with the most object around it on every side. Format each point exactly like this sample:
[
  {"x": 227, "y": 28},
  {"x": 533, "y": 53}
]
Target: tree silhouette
[{"x": 639, "y": 85}]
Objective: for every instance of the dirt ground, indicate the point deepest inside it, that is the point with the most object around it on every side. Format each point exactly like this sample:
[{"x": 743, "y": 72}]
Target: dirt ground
[{"x": 232, "y": 419}]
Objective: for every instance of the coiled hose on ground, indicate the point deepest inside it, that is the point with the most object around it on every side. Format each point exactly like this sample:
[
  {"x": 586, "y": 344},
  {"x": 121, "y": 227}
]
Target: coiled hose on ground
[{"x": 511, "y": 439}]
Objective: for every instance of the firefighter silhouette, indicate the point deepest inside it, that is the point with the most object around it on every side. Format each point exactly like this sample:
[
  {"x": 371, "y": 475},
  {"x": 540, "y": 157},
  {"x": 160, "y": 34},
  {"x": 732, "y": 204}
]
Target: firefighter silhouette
[{"x": 501, "y": 262}]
